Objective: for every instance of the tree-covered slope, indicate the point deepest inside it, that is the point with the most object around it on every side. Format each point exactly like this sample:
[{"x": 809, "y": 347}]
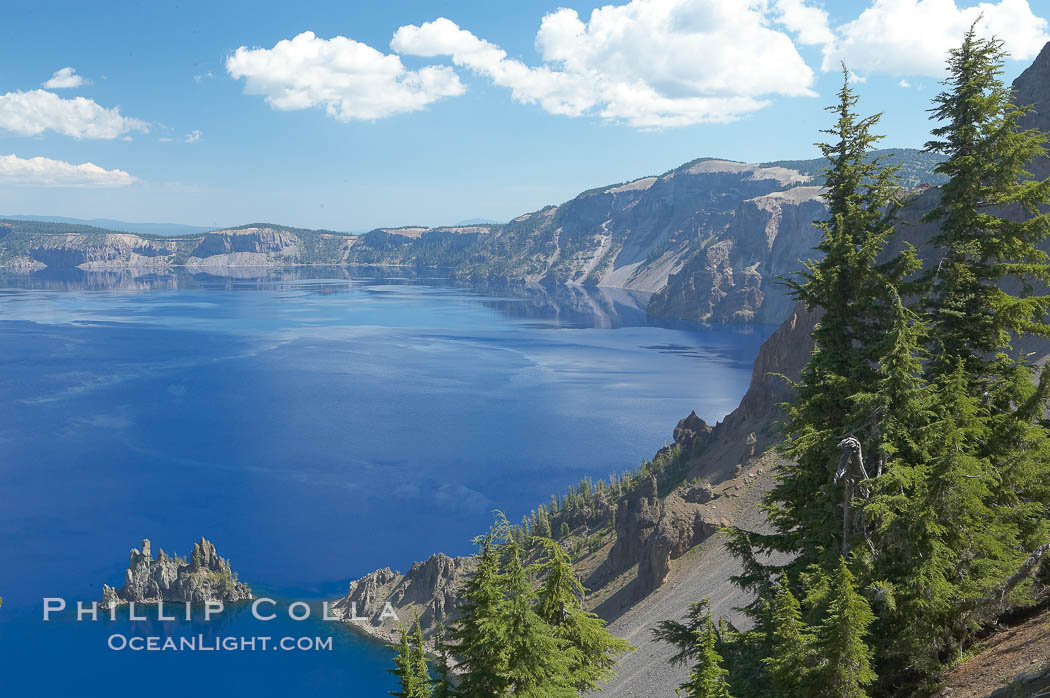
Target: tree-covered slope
[{"x": 916, "y": 166}]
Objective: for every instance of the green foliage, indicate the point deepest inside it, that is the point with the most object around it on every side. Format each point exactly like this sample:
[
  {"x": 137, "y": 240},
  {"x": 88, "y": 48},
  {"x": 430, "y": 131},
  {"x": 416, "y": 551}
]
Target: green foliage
[
  {"x": 845, "y": 668},
  {"x": 513, "y": 638},
  {"x": 590, "y": 649},
  {"x": 535, "y": 663},
  {"x": 708, "y": 678},
  {"x": 914, "y": 167},
  {"x": 792, "y": 656},
  {"x": 977, "y": 502},
  {"x": 972, "y": 318},
  {"x": 683, "y": 635},
  {"x": 542, "y": 527},
  {"x": 410, "y": 665},
  {"x": 419, "y": 667},
  {"x": 842, "y": 391},
  {"x": 481, "y": 635}
]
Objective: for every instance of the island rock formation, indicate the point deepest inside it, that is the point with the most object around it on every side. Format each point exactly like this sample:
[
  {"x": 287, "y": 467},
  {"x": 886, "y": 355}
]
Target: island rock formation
[{"x": 204, "y": 577}]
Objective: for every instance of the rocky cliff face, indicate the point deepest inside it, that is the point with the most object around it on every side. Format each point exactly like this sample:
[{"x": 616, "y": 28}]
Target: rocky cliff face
[
  {"x": 245, "y": 248},
  {"x": 205, "y": 577},
  {"x": 101, "y": 252},
  {"x": 34, "y": 245},
  {"x": 1033, "y": 87},
  {"x": 431, "y": 589},
  {"x": 734, "y": 278},
  {"x": 710, "y": 236},
  {"x": 635, "y": 235},
  {"x": 651, "y": 531}
]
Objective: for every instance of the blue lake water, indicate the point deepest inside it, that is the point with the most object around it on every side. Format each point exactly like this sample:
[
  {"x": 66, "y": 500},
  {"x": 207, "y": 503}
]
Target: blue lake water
[{"x": 315, "y": 425}]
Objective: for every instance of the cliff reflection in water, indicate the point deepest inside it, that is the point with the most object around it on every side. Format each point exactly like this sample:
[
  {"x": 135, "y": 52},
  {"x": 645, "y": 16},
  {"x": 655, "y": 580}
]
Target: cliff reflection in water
[{"x": 578, "y": 306}]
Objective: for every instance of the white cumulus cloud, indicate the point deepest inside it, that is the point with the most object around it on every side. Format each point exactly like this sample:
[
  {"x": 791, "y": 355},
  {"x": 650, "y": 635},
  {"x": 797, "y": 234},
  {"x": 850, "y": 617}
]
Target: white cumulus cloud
[
  {"x": 912, "y": 37},
  {"x": 193, "y": 136},
  {"x": 809, "y": 23},
  {"x": 649, "y": 63},
  {"x": 351, "y": 80},
  {"x": 65, "y": 78},
  {"x": 31, "y": 113},
  {"x": 46, "y": 172}
]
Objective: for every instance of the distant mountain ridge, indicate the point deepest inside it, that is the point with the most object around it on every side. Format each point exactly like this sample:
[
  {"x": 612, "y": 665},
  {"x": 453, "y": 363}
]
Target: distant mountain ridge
[
  {"x": 122, "y": 226},
  {"x": 708, "y": 238}
]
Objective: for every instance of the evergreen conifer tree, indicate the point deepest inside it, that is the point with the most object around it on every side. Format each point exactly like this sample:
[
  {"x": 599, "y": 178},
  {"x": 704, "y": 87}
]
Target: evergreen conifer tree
[
  {"x": 481, "y": 633},
  {"x": 979, "y": 505},
  {"x": 858, "y": 298},
  {"x": 543, "y": 523},
  {"x": 708, "y": 679},
  {"x": 791, "y": 645},
  {"x": 420, "y": 668},
  {"x": 590, "y": 649},
  {"x": 535, "y": 665},
  {"x": 846, "y": 667},
  {"x": 973, "y": 319},
  {"x": 407, "y": 666}
]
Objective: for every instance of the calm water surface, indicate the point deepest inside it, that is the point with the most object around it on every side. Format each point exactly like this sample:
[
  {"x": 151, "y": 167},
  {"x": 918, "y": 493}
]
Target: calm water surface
[{"x": 314, "y": 425}]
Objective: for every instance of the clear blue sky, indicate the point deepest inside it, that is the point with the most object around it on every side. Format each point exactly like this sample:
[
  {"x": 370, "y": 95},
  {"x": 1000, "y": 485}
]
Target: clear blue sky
[{"x": 437, "y": 126}]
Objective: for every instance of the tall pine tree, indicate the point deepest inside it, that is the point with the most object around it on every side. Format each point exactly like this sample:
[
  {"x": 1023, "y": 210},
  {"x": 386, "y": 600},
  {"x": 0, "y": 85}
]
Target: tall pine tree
[
  {"x": 988, "y": 217},
  {"x": 590, "y": 649},
  {"x": 481, "y": 634},
  {"x": 983, "y": 508},
  {"x": 857, "y": 297},
  {"x": 791, "y": 645},
  {"x": 410, "y": 665},
  {"x": 846, "y": 660},
  {"x": 535, "y": 667},
  {"x": 708, "y": 678}
]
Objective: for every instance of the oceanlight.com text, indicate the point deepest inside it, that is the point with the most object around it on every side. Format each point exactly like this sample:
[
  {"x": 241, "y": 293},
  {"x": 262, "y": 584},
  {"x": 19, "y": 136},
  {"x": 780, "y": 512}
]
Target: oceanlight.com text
[{"x": 230, "y": 643}]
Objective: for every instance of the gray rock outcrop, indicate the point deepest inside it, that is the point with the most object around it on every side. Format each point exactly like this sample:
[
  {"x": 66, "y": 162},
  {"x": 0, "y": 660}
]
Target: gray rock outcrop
[
  {"x": 651, "y": 531},
  {"x": 691, "y": 431},
  {"x": 431, "y": 588},
  {"x": 204, "y": 577},
  {"x": 1032, "y": 87},
  {"x": 734, "y": 277}
]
